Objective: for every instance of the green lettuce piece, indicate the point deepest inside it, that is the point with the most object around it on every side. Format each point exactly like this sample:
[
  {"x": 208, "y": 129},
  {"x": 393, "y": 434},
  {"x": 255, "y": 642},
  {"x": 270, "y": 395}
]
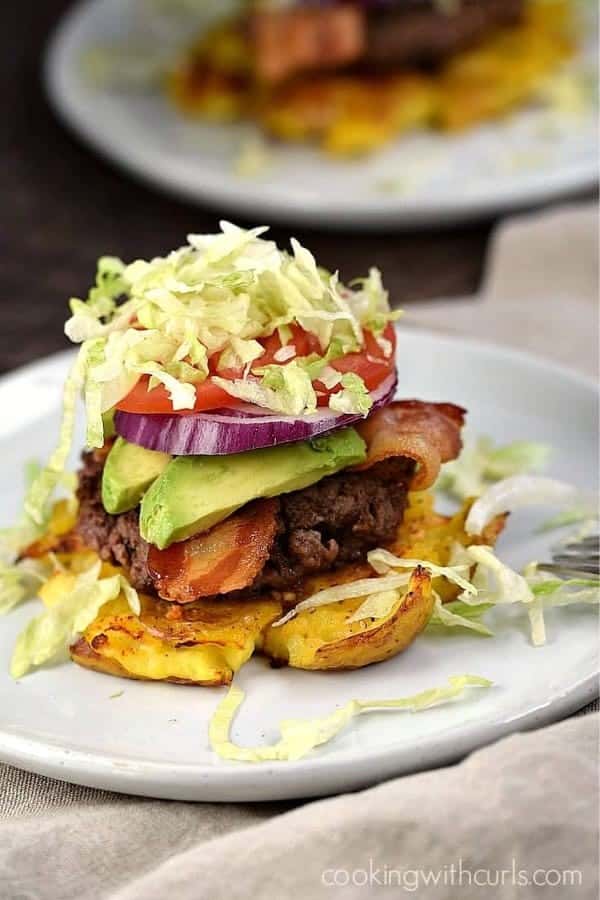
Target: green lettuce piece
[
  {"x": 548, "y": 590},
  {"x": 380, "y": 593},
  {"x": 494, "y": 581},
  {"x": 364, "y": 587},
  {"x": 377, "y": 606},
  {"x": 21, "y": 581},
  {"x": 239, "y": 353},
  {"x": 15, "y": 539},
  {"x": 383, "y": 562},
  {"x": 573, "y": 516},
  {"x": 41, "y": 490},
  {"x": 460, "y": 615},
  {"x": 286, "y": 390},
  {"x": 497, "y": 583},
  {"x": 47, "y": 635},
  {"x": 481, "y": 464},
  {"x": 561, "y": 591},
  {"x": 300, "y": 736},
  {"x": 354, "y": 396}
]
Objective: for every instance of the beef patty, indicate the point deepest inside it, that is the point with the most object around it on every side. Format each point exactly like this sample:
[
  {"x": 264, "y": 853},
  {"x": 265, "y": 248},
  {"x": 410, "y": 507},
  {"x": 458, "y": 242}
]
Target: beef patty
[
  {"x": 419, "y": 31},
  {"x": 308, "y": 37},
  {"x": 331, "y": 523}
]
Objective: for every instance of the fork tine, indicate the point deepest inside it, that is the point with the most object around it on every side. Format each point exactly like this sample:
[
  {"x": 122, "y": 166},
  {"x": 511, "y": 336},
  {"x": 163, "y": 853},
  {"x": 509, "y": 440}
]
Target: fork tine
[
  {"x": 591, "y": 540},
  {"x": 576, "y": 558},
  {"x": 566, "y": 571}
]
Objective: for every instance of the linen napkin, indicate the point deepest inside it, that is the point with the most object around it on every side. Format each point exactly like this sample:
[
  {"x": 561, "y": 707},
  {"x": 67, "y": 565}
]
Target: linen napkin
[
  {"x": 517, "y": 819},
  {"x": 540, "y": 290}
]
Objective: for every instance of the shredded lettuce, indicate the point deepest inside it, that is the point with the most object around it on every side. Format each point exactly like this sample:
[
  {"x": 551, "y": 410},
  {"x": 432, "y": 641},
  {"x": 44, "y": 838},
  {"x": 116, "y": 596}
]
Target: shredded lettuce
[
  {"x": 383, "y": 562},
  {"x": 354, "y": 396},
  {"x": 494, "y": 581},
  {"x": 21, "y": 581},
  {"x": 300, "y": 736},
  {"x": 481, "y": 463},
  {"x": 241, "y": 352},
  {"x": 582, "y": 513},
  {"x": 497, "y": 583},
  {"x": 17, "y": 538},
  {"x": 46, "y": 636},
  {"x": 459, "y": 615},
  {"x": 364, "y": 587},
  {"x": 374, "y": 305},
  {"x": 485, "y": 582},
  {"x": 218, "y": 295},
  {"x": 40, "y": 492},
  {"x": 20, "y": 536},
  {"x": 548, "y": 591},
  {"x": 380, "y": 593},
  {"x": 518, "y": 492},
  {"x": 377, "y": 606}
]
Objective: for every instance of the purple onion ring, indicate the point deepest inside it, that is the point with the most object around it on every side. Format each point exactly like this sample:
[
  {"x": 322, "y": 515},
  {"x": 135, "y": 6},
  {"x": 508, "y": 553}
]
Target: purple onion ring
[{"x": 227, "y": 431}]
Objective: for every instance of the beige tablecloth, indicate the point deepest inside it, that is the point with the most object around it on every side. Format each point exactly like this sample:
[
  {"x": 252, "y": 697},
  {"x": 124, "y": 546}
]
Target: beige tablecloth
[{"x": 518, "y": 819}]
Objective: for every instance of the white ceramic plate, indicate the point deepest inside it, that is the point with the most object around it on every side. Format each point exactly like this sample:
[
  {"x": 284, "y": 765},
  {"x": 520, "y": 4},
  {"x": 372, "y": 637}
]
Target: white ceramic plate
[
  {"x": 152, "y": 739},
  {"x": 425, "y": 179}
]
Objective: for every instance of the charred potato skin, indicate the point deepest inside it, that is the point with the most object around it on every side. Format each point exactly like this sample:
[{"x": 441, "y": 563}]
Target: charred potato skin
[
  {"x": 84, "y": 655},
  {"x": 386, "y": 640}
]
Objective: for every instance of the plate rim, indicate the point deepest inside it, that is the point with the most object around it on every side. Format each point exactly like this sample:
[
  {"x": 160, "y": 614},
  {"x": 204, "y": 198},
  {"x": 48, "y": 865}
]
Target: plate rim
[
  {"x": 315, "y": 775},
  {"x": 311, "y": 777},
  {"x": 251, "y": 203}
]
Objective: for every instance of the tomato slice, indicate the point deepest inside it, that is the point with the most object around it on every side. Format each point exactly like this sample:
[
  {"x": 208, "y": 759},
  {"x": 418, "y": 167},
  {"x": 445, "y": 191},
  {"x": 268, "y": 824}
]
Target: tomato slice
[
  {"x": 370, "y": 364},
  {"x": 156, "y": 401},
  {"x": 303, "y": 342}
]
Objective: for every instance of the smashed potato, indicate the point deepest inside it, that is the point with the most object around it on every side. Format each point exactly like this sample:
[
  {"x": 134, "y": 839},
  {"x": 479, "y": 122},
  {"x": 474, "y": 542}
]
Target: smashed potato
[
  {"x": 202, "y": 643},
  {"x": 205, "y": 642},
  {"x": 351, "y": 113},
  {"x": 325, "y": 638}
]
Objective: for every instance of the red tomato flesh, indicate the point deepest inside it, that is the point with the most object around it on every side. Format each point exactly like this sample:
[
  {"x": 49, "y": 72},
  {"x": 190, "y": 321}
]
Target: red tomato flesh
[{"x": 370, "y": 364}]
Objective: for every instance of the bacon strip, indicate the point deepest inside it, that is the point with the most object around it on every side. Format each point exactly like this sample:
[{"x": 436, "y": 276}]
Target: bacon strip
[
  {"x": 226, "y": 558},
  {"x": 429, "y": 433},
  {"x": 292, "y": 40}
]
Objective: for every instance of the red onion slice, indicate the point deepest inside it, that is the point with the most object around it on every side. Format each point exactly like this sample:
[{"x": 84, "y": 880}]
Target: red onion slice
[{"x": 235, "y": 430}]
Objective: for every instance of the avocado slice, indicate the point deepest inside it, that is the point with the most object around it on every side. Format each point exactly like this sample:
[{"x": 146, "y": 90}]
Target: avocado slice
[
  {"x": 195, "y": 492},
  {"x": 129, "y": 471}
]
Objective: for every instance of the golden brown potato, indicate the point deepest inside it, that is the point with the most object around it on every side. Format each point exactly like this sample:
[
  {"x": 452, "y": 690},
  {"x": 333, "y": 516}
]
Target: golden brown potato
[
  {"x": 349, "y": 113},
  {"x": 207, "y": 641},
  {"x": 202, "y": 643},
  {"x": 324, "y": 638}
]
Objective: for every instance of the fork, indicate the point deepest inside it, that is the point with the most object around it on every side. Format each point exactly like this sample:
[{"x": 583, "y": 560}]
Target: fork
[{"x": 579, "y": 558}]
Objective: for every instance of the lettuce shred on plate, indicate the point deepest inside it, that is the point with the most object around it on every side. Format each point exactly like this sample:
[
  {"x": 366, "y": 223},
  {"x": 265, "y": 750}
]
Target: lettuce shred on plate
[
  {"x": 165, "y": 317},
  {"x": 481, "y": 463},
  {"x": 49, "y": 633},
  {"x": 485, "y": 580},
  {"x": 381, "y": 594},
  {"x": 300, "y": 736}
]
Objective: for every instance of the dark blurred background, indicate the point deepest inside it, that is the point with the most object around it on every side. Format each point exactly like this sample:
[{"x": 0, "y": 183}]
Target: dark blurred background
[{"x": 62, "y": 207}]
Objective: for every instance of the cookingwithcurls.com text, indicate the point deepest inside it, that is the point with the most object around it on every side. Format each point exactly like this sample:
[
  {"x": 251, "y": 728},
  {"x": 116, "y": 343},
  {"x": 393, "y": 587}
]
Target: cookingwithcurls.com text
[{"x": 455, "y": 874}]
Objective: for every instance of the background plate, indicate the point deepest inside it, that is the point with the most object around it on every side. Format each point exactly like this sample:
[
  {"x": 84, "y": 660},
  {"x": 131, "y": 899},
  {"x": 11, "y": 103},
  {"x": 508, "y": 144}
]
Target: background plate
[
  {"x": 424, "y": 179},
  {"x": 152, "y": 739}
]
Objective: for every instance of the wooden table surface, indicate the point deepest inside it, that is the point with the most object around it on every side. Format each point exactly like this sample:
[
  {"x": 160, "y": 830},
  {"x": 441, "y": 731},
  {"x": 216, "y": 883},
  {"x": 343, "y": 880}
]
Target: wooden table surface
[{"x": 62, "y": 207}]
